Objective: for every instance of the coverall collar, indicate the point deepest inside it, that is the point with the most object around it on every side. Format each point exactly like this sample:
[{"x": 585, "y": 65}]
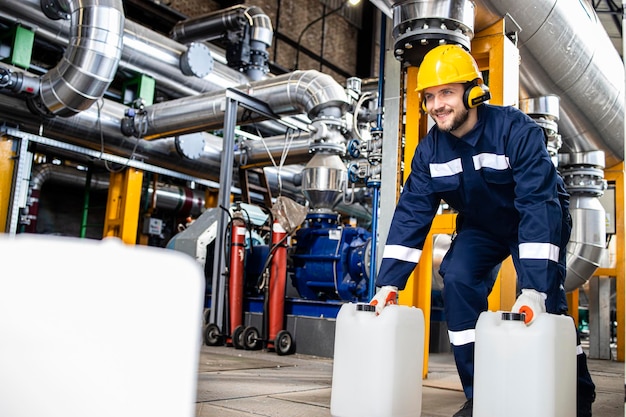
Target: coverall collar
[{"x": 472, "y": 137}]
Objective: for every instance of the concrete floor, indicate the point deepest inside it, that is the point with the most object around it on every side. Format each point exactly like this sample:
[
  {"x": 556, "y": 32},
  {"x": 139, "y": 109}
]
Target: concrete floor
[{"x": 240, "y": 383}]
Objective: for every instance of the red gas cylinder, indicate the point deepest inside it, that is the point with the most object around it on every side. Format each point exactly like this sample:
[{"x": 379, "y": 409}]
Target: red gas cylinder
[
  {"x": 278, "y": 336},
  {"x": 236, "y": 282}
]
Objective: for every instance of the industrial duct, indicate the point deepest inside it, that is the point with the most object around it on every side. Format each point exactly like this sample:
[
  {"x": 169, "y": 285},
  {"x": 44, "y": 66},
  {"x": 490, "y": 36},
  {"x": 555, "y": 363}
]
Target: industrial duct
[
  {"x": 310, "y": 92},
  {"x": 577, "y": 62},
  {"x": 90, "y": 61},
  {"x": 144, "y": 51}
]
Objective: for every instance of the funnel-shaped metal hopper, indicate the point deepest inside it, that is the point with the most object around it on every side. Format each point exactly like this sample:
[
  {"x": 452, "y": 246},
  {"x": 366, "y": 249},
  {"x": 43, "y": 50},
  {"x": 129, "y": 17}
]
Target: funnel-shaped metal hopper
[{"x": 323, "y": 181}]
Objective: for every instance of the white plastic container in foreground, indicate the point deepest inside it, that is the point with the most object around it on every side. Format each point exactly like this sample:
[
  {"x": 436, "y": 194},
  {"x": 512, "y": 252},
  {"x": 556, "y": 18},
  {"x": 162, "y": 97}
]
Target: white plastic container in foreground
[
  {"x": 378, "y": 362},
  {"x": 522, "y": 371}
]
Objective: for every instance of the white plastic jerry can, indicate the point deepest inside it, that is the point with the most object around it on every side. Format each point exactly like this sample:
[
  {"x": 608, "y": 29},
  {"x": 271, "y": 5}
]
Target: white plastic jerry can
[
  {"x": 378, "y": 362},
  {"x": 522, "y": 371}
]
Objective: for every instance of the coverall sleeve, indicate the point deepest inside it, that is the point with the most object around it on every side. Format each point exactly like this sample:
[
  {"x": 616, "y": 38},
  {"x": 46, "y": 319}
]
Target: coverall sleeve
[
  {"x": 537, "y": 201},
  {"x": 411, "y": 222}
]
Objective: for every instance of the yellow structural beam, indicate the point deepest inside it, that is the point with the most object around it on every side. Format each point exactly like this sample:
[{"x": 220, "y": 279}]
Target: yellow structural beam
[
  {"x": 7, "y": 166},
  {"x": 616, "y": 175},
  {"x": 572, "y": 305},
  {"x": 122, "y": 212}
]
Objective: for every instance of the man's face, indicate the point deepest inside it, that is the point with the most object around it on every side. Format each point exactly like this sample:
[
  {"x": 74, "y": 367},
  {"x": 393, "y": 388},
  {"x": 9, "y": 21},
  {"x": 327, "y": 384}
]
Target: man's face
[{"x": 444, "y": 104}]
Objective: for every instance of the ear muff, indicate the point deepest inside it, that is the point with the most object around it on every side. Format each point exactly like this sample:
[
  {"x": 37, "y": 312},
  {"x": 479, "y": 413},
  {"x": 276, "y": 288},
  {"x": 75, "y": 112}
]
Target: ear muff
[
  {"x": 475, "y": 94},
  {"x": 424, "y": 109}
]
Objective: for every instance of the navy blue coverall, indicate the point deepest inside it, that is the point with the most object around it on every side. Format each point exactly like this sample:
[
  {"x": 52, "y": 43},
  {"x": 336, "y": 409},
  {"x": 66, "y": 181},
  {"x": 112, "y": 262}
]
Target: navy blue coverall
[{"x": 510, "y": 201}]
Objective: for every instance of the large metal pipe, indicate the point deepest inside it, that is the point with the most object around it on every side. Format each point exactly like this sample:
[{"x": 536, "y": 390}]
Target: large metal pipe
[
  {"x": 144, "y": 51},
  {"x": 565, "y": 51},
  {"x": 309, "y": 92},
  {"x": 210, "y": 26},
  {"x": 91, "y": 58},
  {"x": 85, "y": 128}
]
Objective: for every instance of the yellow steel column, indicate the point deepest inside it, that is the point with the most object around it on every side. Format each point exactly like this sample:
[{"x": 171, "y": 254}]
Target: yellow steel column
[
  {"x": 616, "y": 175},
  {"x": 210, "y": 197},
  {"x": 572, "y": 305},
  {"x": 7, "y": 166},
  {"x": 494, "y": 52},
  {"x": 122, "y": 212}
]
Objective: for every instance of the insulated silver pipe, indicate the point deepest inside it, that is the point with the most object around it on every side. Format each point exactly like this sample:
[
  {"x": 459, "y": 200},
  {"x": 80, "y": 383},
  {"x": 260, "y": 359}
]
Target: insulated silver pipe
[
  {"x": 565, "y": 51},
  {"x": 144, "y": 51},
  {"x": 209, "y": 26},
  {"x": 213, "y": 25},
  {"x": 583, "y": 174},
  {"x": 70, "y": 176},
  {"x": 90, "y": 61},
  {"x": 309, "y": 92},
  {"x": 85, "y": 129},
  {"x": 250, "y": 23}
]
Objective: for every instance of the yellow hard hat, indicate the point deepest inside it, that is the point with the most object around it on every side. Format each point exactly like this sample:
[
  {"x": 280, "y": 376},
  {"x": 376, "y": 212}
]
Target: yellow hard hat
[{"x": 447, "y": 64}]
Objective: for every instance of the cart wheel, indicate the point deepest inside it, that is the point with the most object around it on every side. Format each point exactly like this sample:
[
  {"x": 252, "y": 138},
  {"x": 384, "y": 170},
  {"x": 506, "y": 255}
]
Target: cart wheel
[
  {"x": 238, "y": 337},
  {"x": 212, "y": 335},
  {"x": 250, "y": 339},
  {"x": 284, "y": 343}
]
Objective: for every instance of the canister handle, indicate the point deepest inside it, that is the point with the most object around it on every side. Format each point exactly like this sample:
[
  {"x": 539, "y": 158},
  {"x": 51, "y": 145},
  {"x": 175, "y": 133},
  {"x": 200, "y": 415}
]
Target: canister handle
[
  {"x": 365, "y": 307},
  {"x": 510, "y": 316}
]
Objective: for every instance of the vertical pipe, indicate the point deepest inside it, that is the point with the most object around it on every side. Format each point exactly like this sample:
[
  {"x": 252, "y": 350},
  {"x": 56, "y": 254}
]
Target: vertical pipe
[{"x": 372, "y": 285}]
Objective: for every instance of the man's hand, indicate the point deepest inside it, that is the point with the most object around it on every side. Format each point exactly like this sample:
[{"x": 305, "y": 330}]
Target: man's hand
[
  {"x": 385, "y": 296},
  {"x": 531, "y": 303}
]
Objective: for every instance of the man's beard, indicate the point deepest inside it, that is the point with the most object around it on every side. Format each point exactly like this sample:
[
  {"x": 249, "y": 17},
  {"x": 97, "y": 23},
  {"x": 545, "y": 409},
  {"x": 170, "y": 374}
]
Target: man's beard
[{"x": 457, "y": 121}]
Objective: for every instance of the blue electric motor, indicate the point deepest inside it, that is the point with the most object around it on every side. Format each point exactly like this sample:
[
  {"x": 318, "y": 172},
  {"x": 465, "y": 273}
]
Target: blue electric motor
[{"x": 331, "y": 261}]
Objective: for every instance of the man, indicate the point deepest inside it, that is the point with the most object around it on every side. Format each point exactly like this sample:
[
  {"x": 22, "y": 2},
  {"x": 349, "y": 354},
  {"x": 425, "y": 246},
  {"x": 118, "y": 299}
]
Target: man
[{"x": 491, "y": 165}]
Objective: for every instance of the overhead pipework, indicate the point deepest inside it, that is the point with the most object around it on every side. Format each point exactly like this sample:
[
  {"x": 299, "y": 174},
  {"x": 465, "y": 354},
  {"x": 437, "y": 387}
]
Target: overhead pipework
[
  {"x": 420, "y": 25},
  {"x": 578, "y": 63},
  {"x": 91, "y": 59},
  {"x": 311, "y": 92},
  {"x": 144, "y": 50},
  {"x": 245, "y": 31}
]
